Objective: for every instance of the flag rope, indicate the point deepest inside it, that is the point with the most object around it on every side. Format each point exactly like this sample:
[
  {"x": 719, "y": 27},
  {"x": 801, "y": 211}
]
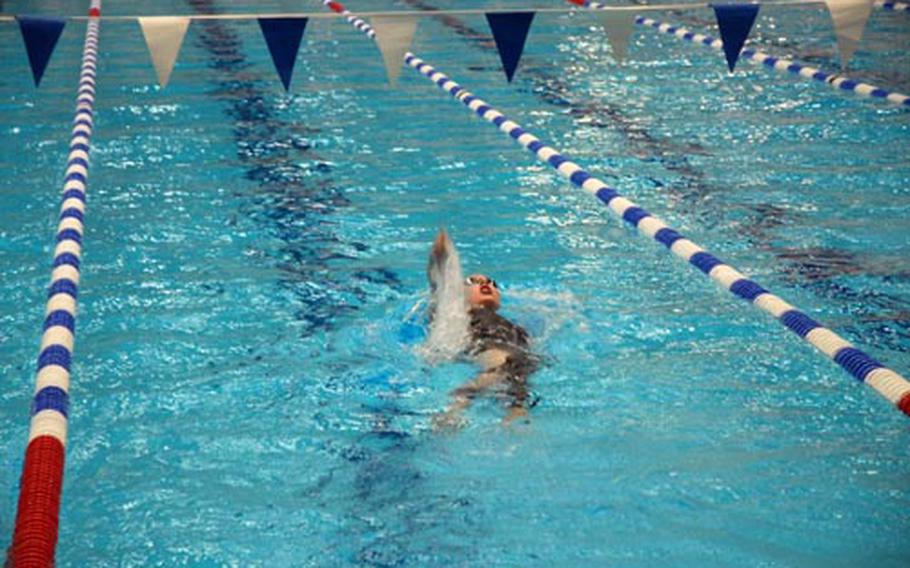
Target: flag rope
[
  {"x": 892, "y": 386},
  {"x": 835, "y": 80},
  {"x": 37, "y": 517},
  {"x": 888, "y": 5}
]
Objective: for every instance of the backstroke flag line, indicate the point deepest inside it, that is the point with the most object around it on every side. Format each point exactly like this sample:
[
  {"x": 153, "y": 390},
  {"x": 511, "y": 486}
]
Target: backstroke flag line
[
  {"x": 164, "y": 36},
  {"x": 394, "y": 33},
  {"x": 849, "y": 17},
  {"x": 282, "y": 36},
  {"x": 40, "y": 36},
  {"x": 510, "y": 30},
  {"x": 734, "y": 21},
  {"x": 393, "y": 36},
  {"x": 618, "y": 25}
]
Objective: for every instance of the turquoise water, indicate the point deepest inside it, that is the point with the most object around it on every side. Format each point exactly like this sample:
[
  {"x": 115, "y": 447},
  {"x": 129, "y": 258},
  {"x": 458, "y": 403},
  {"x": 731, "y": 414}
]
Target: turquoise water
[{"x": 247, "y": 390}]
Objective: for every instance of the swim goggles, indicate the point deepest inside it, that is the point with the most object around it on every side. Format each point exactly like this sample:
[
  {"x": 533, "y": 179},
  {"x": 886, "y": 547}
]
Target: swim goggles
[{"x": 473, "y": 280}]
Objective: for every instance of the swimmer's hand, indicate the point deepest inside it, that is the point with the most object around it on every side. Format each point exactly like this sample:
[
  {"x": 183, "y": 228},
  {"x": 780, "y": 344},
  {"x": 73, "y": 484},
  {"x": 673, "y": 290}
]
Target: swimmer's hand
[
  {"x": 442, "y": 246},
  {"x": 439, "y": 255},
  {"x": 519, "y": 413}
]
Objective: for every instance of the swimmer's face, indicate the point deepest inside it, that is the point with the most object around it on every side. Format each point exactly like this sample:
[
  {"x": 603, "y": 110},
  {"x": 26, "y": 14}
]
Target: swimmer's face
[{"x": 482, "y": 291}]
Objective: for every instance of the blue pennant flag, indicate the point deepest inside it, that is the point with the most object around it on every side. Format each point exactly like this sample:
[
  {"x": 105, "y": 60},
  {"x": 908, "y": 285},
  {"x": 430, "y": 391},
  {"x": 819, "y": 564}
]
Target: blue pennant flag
[
  {"x": 283, "y": 35},
  {"x": 40, "y": 36},
  {"x": 735, "y": 21},
  {"x": 510, "y": 30}
]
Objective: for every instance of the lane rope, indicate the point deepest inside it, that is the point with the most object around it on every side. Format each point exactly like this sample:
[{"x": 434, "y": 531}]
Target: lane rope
[
  {"x": 835, "y": 80},
  {"x": 37, "y": 516},
  {"x": 889, "y": 384}
]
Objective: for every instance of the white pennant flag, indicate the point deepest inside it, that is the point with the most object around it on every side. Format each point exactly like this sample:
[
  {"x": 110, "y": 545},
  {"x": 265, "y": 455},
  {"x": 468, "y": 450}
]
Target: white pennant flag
[
  {"x": 618, "y": 24},
  {"x": 394, "y": 35},
  {"x": 849, "y": 17},
  {"x": 164, "y": 36}
]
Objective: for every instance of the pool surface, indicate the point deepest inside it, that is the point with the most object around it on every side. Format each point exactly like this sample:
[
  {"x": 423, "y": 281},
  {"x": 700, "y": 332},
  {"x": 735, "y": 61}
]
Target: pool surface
[{"x": 247, "y": 384}]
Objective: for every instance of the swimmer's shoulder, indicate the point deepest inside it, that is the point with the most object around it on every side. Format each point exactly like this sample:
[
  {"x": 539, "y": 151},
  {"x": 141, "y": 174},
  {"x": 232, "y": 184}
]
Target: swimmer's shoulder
[{"x": 488, "y": 322}]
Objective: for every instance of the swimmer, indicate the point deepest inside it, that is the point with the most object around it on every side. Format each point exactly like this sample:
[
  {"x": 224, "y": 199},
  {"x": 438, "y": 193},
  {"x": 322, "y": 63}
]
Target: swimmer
[{"x": 500, "y": 347}]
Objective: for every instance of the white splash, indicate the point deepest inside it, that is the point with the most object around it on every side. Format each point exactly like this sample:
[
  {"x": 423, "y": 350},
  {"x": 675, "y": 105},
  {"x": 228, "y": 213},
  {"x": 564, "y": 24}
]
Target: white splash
[
  {"x": 449, "y": 335},
  {"x": 544, "y": 312}
]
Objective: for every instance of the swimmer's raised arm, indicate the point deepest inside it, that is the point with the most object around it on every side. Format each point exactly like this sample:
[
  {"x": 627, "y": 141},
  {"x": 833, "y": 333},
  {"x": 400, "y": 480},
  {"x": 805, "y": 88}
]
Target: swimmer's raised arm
[{"x": 439, "y": 254}]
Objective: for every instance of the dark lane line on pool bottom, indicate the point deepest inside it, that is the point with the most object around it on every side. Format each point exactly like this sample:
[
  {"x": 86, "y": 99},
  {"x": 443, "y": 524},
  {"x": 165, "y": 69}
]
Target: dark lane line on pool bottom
[
  {"x": 815, "y": 268},
  {"x": 289, "y": 203},
  {"x": 385, "y": 480}
]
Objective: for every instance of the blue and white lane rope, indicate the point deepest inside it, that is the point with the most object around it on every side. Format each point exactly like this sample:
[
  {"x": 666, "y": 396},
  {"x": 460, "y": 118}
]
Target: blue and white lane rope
[
  {"x": 59, "y": 325},
  {"x": 37, "y": 517},
  {"x": 864, "y": 368},
  {"x": 887, "y": 5},
  {"x": 835, "y": 80}
]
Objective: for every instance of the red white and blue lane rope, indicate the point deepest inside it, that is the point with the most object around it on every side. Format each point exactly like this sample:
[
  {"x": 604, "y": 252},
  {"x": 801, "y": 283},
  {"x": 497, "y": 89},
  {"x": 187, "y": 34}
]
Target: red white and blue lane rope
[
  {"x": 864, "y": 368},
  {"x": 835, "y": 80},
  {"x": 358, "y": 23},
  {"x": 37, "y": 518}
]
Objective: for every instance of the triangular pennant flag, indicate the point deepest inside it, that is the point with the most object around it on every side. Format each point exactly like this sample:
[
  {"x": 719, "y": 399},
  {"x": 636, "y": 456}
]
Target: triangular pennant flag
[
  {"x": 394, "y": 35},
  {"x": 283, "y": 35},
  {"x": 849, "y": 17},
  {"x": 618, "y": 24},
  {"x": 164, "y": 36},
  {"x": 735, "y": 21},
  {"x": 510, "y": 30},
  {"x": 40, "y": 36}
]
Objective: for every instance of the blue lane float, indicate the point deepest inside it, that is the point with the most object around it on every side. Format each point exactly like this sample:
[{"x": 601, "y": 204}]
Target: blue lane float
[{"x": 888, "y": 383}]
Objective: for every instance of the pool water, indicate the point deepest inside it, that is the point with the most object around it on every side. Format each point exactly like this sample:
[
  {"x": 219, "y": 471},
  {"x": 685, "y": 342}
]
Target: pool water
[{"x": 248, "y": 388}]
